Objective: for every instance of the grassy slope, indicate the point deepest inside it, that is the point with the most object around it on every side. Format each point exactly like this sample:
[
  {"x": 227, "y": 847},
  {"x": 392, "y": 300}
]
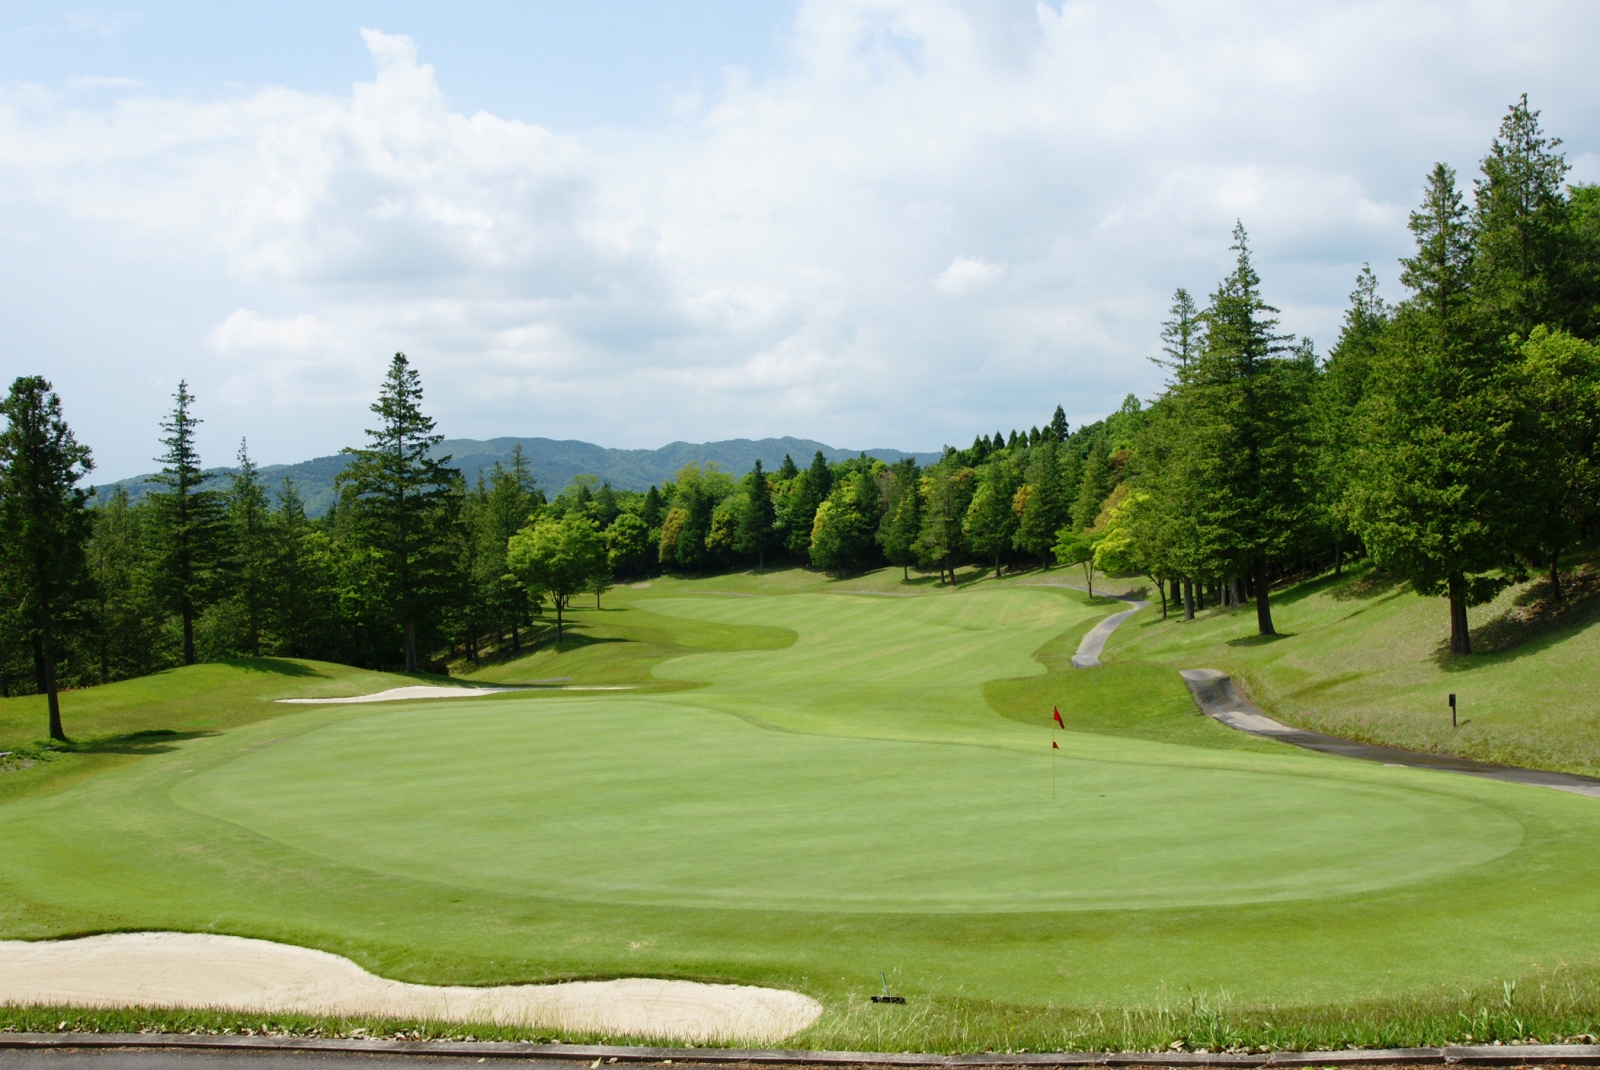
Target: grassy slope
[
  {"x": 114, "y": 723},
  {"x": 449, "y": 867},
  {"x": 1365, "y": 658}
]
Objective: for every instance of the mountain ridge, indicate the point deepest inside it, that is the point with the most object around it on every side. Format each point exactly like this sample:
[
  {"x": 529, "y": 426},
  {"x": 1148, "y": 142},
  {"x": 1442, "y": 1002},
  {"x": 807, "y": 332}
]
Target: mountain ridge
[{"x": 554, "y": 463}]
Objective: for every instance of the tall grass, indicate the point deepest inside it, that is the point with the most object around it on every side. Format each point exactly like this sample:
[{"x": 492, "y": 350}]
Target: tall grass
[{"x": 1554, "y": 1007}]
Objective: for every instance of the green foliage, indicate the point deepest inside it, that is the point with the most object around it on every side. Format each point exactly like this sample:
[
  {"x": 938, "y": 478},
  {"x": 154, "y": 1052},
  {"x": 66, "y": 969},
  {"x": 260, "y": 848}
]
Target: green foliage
[
  {"x": 758, "y": 521},
  {"x": 557, "y": 559},
  {"x": 398, "y": 502},
  {"x": 43, "y": 523},
  {"x": 902, "y": 521},
  {"x": 990, "y": 523},
  {"x": 843, "y": 536},
  {"x": 189, "y": 533}
]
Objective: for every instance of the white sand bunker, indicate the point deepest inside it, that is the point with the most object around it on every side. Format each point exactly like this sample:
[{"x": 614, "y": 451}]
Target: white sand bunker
[
  {"x": 396, "y": 694},
  {"x": 255, "y": 976}
]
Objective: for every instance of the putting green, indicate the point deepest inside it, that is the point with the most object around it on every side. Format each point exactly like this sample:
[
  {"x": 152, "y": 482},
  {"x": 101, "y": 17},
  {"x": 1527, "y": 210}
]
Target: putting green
[
  {"x": 944, "y": 807},
  {"x": 808, "y": 815}
]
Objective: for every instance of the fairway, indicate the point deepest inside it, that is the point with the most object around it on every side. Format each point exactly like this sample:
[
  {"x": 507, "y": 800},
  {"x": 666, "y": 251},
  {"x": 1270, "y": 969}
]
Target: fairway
[{"x": 834, "y": 797}]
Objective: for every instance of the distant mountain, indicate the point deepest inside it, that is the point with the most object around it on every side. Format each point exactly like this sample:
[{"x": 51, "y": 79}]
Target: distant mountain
[{"x": 554, "y": 463}]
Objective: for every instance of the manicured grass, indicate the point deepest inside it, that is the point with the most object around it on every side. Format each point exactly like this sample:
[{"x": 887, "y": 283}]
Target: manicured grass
[
  {"x": 1362, "y": 657},
  {"x": 812, "y": 785}
]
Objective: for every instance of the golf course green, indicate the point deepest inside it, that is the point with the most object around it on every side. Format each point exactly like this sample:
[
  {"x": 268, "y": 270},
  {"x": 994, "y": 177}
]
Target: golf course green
[{"x": 803, "y": 787}]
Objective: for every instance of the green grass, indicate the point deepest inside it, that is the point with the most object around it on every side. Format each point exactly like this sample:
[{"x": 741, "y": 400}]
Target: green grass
[
  {"x": 1364, "y": 658},
  {"x": 810, "y": 785}
]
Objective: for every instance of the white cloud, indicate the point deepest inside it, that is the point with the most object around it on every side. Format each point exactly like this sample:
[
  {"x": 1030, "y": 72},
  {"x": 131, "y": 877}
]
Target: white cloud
[
  {"x": 798, "y": 254},
  {"x": 967, "y": 273}
]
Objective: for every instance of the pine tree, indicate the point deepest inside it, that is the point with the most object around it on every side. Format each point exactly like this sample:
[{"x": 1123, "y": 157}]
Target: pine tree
[
  {"x": 1440, "y": 455},
  {"x": 1058, "y": 425},
  {"x": 401, "y": 499},
  {"x": 758, "y": 519},
  {"x": 1038, "y": 503},
  {"x": 190, "y": 526},
  {"x": 251, "y": 542},
  {"x": 1247, "y": 396},
  {"x": 1097, "y": 481},
  {"x": 1335, "y": 398},
  {"x": 1183, "y": 332},
  {"x": 43, "y": 523},
  {"x": 1522, "y": 267},
  {"x": 990, "y": 523}
]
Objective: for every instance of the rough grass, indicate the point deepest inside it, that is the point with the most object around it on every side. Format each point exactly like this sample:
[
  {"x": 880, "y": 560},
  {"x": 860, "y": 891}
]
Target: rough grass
[
  {"x": 1557, "y": 1007},
  {"x": 1362, "y": 657}
]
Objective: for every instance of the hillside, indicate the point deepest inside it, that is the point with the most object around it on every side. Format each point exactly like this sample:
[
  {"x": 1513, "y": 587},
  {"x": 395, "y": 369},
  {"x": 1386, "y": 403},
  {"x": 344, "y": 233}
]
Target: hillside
[
  {"x": 554, "y": 463},
  {"x": 1363, "y": 657}
]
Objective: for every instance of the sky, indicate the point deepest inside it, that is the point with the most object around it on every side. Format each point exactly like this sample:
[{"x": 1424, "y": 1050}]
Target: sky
[{"x": 876, "y": 223}]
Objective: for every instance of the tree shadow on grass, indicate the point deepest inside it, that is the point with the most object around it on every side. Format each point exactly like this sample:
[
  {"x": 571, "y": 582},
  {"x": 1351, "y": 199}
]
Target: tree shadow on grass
[
  {"x": 148, "y": 741},
  {"x": 275, "y": 666},
  {"x": 1260, "y": 640},
  {"x": 1532, "y": 624},
  {"x": 1369, "y": 586}
]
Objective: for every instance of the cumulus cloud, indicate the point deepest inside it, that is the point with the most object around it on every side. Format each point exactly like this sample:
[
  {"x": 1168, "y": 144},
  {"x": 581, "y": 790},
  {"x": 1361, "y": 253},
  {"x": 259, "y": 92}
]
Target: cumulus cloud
[{"x": 938, "y": 216}]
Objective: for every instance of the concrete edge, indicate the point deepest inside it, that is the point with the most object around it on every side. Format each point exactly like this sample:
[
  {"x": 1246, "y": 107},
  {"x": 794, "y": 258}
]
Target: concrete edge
[{"x": 1484, "y": 1055}]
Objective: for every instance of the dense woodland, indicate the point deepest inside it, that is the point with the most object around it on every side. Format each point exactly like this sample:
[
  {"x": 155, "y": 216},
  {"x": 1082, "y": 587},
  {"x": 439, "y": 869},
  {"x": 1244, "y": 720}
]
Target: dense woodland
[{"x": 1451, "y": 437}]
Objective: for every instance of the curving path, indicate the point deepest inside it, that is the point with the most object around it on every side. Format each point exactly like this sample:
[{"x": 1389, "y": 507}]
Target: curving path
[{"x": 1217, "y": 697}]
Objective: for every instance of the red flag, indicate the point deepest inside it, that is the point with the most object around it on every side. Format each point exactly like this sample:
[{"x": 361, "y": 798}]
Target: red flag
[
  {"x": 1054, "y": 745},
  {"x": 1056, "y": 713}
]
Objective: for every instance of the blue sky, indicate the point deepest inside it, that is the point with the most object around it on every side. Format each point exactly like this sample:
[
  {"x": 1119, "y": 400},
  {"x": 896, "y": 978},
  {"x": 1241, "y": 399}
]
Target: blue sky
[{"x": 872, "y": 222}]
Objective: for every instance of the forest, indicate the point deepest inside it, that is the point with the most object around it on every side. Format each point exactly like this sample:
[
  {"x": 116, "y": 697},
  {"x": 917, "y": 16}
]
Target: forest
[{"x": 1450, "y": 437}]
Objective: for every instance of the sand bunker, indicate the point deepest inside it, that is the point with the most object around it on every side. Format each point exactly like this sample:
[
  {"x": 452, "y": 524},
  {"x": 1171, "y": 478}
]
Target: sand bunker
[
  {"x": 396, "y": 694},
  {"x": 233, "y": 973}
]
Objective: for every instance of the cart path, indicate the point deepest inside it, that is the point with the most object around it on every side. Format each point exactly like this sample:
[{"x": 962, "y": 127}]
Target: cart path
[{"x": 1217, "y": 697}]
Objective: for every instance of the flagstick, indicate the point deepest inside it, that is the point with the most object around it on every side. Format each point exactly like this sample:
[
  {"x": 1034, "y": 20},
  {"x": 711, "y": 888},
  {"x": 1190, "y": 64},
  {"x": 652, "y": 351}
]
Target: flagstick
[{"x": 1052, "y": 763}]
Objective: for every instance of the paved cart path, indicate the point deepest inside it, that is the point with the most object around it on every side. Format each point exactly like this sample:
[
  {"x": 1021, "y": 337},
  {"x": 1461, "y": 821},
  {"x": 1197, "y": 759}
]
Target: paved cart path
[{"x": 1215, "y": 693}]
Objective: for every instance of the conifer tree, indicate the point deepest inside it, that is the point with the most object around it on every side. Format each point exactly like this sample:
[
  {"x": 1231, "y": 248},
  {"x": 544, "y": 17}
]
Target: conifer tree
[
  {"x": 250, "y": 538},
  {"x": 1096, "y": 482},
  {"x": 1522, "y": 252},
  {"x": 1058, "y": 425},
  {"x": 1039, "y": 504},
  {"x": 401, "y": 499},
  {"x": 44, "y": 526},
  {"x": 990, "y": 523},
  {"x": 1441, "y": 428},
  {"x": 1183, "y": 332},
  {"x": 190, "y": 526},
  {"x": 758, "y": 520}
]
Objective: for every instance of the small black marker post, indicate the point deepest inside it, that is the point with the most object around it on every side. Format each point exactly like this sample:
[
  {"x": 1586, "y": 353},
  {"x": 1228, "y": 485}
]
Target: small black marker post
[
  {"x": 886, "y": 998},
  {"x": 1452, "y": 709}
]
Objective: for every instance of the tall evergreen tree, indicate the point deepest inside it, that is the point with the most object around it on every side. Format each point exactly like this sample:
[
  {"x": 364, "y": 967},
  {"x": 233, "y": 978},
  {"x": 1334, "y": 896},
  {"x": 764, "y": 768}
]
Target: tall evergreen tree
[
  {"x": 401, "y": 501},
  {"x": 1247, "y": 395},
  {"x": 758, "y": 520},
  {"x": 1096, "y": 482},
  {"x": 1059, "y": 431},
  {"x": 1439, "y": 454},
  {"x": 190, "y": 528},
  {"x": 1522, "y": 265},
  {"x": 990, "y": 523},
  {"x": 1039, "y": 504},
  {"x": 250, "y": 537},
  {"x": 1184, "y": 330},
  {"x": 43, "y": 523}
]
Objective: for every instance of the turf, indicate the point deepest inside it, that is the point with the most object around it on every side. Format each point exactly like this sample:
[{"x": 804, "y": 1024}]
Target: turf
[
  {"x": 809, "y": 786},
  {"x": 1362, "y": 657}
]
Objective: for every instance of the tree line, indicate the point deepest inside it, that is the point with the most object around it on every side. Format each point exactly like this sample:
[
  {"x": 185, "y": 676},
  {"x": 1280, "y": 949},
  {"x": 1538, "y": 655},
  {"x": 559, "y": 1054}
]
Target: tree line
[{"x": 1451, "y": 437}]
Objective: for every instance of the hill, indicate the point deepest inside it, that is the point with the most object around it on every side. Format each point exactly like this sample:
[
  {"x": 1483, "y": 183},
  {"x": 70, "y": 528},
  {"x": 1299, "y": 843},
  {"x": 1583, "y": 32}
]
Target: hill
[{"x": 554, "y": 463}]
